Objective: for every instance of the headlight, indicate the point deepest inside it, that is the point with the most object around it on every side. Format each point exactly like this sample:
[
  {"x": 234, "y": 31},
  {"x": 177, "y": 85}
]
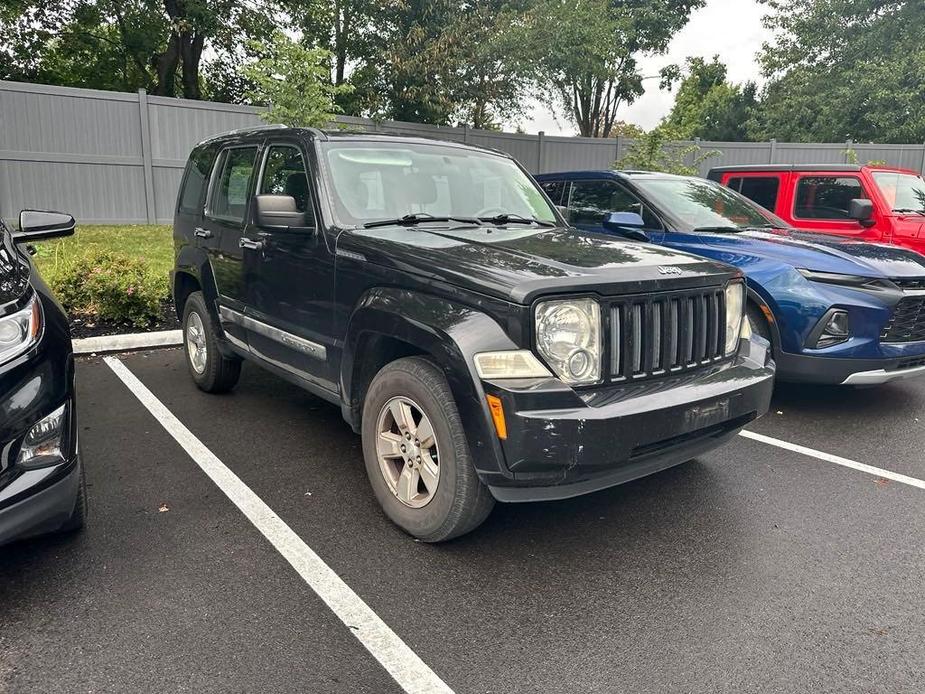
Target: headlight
[
  {"x": 853, "y": 281},
  {"x": 20, "y": 330},
  {"x": 568, "y": 337},
  {"x": 735, "y": 311},
  {"x": 43, "y": 445}
]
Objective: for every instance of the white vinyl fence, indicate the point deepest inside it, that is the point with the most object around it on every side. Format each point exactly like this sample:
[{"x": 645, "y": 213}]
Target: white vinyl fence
[{"x": 111, "y": 157}]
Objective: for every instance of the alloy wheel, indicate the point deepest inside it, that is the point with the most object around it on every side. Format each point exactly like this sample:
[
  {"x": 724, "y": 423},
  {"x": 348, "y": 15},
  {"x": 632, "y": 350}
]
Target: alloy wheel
[{"x": 407, "y": 451}]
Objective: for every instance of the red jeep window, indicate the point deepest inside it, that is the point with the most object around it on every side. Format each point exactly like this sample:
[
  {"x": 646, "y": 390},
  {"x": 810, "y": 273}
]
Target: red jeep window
[
  {"x": 826, "y": 197},
  {"x": 760, "y": 189}
]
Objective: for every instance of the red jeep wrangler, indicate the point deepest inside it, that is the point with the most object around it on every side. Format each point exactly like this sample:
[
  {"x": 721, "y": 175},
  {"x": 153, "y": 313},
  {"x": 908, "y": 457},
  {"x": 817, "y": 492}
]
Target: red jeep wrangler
[{"x": 868, "y": 203}]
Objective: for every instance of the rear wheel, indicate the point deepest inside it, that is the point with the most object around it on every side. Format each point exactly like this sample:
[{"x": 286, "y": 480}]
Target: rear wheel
[
  {"x": 212, "y": 371},
  {"x": 417, "y": 454}
]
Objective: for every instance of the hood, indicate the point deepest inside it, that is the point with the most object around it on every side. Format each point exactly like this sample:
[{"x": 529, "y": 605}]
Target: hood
[
  {"x": 518, "y": 264},
  {"x": 818, "y": 252},
  {"x": 14, "y": 271}
]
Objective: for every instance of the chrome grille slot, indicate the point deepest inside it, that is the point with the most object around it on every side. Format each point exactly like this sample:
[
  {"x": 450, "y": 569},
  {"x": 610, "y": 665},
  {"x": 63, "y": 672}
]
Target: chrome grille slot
[{"x": 668, "y": 333}]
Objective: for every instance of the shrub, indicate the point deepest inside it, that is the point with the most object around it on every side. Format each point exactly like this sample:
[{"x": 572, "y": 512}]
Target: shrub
[{"x": 109, "y": 286}]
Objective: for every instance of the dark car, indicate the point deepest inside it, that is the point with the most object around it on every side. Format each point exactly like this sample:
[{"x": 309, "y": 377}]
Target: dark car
[
  {"x": 837, "y": 311},
  {"x": 484, "y": 350},
  {"x": 42, "y": 487}
]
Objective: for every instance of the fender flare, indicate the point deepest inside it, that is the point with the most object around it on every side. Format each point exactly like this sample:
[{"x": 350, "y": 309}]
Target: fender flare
[{"x": 448, "y": 333}]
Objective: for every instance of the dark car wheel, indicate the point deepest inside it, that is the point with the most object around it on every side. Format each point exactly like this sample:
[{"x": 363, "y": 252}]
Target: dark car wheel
[
  {"x": 417, "y": 454},
  {"x": 212, "y": 371}
]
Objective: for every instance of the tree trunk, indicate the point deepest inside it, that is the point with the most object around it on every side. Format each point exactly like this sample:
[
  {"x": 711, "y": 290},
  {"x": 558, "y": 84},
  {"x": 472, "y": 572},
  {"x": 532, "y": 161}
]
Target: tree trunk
[
  {"x": 191, "y": 53},
  {"x": 165, "y": 66}
]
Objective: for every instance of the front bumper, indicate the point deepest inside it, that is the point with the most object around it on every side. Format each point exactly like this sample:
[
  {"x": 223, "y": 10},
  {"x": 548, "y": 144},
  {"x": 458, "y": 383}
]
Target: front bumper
[
  {"x": 42, "y": 501},
  {"x": 563, "y": 443},
  {"x": 800, "y": 368}
]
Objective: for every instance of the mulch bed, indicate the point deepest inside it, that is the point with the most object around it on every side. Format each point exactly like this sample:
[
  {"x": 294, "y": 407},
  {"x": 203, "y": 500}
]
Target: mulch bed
[{"x": 82, "y": 327}]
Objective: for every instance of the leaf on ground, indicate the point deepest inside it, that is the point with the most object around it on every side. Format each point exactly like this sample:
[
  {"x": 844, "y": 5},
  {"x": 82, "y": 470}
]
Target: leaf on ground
[{"x": 163, "y": 508}]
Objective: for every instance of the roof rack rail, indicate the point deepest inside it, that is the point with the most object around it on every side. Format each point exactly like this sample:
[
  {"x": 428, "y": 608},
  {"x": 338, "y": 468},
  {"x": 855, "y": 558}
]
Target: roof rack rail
[{"x": 238, "y": 131}]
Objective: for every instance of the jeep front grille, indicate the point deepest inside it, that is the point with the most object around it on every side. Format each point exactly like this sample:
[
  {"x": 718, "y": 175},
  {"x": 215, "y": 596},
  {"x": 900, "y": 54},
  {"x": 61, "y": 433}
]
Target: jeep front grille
[
  {"x": 908, "y": 321},
  {"x": 665, "y": 334}
]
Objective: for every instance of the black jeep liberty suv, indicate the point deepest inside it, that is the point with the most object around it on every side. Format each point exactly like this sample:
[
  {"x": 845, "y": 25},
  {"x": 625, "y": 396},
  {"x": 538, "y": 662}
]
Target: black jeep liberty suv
[{"x": 484, "y": 350}]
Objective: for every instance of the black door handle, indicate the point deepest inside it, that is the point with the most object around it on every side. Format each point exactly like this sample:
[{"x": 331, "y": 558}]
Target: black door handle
[{"x": 203, "y": 233}]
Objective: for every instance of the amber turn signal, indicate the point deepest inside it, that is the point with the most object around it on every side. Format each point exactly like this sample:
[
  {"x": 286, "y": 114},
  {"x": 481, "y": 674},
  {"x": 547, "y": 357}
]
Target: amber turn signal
[{"x": 497, "y": 415}]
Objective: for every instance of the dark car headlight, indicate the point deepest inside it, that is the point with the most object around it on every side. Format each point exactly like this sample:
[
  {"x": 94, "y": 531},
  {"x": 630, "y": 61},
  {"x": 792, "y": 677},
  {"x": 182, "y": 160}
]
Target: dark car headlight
[
  {"x": 853, "y": 281},
  {"x": 20, "y": 330},
  {"x": 44, "y": 444}
]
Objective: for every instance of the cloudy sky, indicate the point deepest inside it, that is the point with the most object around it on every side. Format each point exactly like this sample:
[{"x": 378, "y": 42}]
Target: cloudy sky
[{"x": 730, "y": 28}]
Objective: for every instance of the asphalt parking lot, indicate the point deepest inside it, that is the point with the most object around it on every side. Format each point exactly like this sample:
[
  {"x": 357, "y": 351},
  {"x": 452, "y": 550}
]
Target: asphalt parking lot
[{"x": 753, "y": 569}]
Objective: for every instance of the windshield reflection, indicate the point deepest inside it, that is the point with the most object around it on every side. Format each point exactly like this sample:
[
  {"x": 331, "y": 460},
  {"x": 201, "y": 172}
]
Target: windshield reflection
[
  {"x": 903, "y": 192},
  {"x": 699, "y": 203}
]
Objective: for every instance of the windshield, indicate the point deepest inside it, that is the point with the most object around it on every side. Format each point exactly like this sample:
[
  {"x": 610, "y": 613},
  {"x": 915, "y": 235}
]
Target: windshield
[
  {"x": 902, "y": 191},
  {"x": 372, "y": 181},
  {"x": 701, "y": 204}
]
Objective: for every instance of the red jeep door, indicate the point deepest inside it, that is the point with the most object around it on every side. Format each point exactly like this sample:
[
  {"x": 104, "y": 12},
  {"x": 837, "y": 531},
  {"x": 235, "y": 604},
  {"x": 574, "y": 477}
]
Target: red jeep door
[{"x": 821, "y": 200}]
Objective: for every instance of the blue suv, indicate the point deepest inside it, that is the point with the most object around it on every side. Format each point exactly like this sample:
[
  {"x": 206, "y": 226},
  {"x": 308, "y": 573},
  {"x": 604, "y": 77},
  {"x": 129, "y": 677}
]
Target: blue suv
[{"x": 835, "y": 310}]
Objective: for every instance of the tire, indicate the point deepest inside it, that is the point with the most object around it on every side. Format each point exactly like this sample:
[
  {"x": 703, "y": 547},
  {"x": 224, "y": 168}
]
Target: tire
[
  {"x": 212, "y": 371},
  {"x": 79, "y": 514},
  {"x": 460, "y": 502}
]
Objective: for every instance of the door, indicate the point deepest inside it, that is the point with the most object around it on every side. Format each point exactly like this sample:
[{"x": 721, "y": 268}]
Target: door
[
  {"x": 821, "y": 201},
  {"x": 291, "y": 288},
  {"x": 591, "y": 201},
  {"x": 225, "y": 220}
]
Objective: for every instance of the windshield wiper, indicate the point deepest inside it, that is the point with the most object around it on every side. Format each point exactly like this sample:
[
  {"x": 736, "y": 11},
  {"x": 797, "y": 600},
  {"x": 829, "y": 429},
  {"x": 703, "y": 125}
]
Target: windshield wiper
[
  {"x": 721, "y": 229},
  {"x": 908, "y": 210},
  {"x": 508, "y": 217},
  {"x": 418, "y": 218}
]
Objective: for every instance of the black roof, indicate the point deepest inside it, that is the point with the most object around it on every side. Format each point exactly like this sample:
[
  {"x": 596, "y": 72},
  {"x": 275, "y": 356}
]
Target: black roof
[
  {"x": 358, "y": 135},
  {"x": 787, "y": 167}
]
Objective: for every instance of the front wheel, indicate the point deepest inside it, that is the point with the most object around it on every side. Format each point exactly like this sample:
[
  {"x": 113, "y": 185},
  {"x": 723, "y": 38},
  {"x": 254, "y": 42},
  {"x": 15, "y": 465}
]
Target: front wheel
[
  {"x": 212, "y": 371},
  {"x": 417, "y": 454}
]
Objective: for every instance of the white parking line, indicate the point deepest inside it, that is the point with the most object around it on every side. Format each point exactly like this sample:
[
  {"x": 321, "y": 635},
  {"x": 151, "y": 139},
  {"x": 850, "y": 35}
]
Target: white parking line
[
  {"x": 403, "y": 664},
  {"x": 837, "y": 459}
]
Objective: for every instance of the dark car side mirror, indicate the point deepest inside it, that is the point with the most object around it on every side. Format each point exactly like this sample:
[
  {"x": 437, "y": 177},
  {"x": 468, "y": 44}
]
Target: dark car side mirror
[
  {"x": 279, "y": 213},
  {"x": 628, "y": 224},
  {"x": 861, "y": 210},
  {"x": 35, "y": 225}
]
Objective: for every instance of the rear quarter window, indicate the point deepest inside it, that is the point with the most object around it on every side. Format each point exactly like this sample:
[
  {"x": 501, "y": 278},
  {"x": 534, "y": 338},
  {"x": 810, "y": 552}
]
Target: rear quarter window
[{"x": 195, "y": 180}]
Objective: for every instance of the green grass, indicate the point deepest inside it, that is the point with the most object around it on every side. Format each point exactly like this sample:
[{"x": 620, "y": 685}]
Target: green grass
[{"x": 150, "y": 243}]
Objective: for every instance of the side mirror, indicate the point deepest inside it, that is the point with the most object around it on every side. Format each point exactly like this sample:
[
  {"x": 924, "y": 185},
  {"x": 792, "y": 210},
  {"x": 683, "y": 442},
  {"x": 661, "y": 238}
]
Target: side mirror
[
  {"x": 278, "y": 212},
  {"x": 563, "y": 210},
  {"x": 35, "y": 225},
  {"x": 862, "y": 211},
  {"x": 628, "y": 224}
]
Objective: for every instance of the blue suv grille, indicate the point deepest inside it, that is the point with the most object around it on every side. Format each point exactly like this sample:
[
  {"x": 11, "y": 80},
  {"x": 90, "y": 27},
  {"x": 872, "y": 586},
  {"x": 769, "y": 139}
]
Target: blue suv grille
[{"x": 908, "y": 321}]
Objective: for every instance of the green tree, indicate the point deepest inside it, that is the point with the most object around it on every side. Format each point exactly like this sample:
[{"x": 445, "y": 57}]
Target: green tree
[
  {"x": 843, "y": 69},
  {"x": 657, "y": 151},
  {"x": 709, "y": 107},
  {"x": 294, "y": 81},
  {"x": 123, "y": 44},
  {"x": 585, "y": 53}
]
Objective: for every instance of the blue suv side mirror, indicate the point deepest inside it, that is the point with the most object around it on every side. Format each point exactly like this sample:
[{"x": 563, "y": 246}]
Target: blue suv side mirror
[{"x": 628, "y": 224}]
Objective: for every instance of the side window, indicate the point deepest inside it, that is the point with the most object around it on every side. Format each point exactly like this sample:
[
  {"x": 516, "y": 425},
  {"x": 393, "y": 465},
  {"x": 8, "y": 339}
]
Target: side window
[
  {"x": 234, "y": 172},
  {"x": 591, "y": 201},
  {"x": 554, "y": 189},
  {"x": 760, "y": 189},
  {"x": 195, "y": 180},
  {"x": 826, "y": 197},
  {"x": 285, "y": 173}
]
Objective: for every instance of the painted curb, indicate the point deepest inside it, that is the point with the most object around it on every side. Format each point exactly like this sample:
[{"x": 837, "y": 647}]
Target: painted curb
[{"x": 125, "y": 343}]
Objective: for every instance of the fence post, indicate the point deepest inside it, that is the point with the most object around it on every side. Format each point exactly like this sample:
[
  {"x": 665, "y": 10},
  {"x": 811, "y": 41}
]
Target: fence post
[
  {"x": 619, "y": 148},
  {"x": 922, "y": 170},
  {"x": 849, "y": 147},
  {"x": 466, "y": 133},
  {"x": 148, "y": 167},
  {"x": 540, "y": 142},
  {"x": 772, "y": 151}
]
